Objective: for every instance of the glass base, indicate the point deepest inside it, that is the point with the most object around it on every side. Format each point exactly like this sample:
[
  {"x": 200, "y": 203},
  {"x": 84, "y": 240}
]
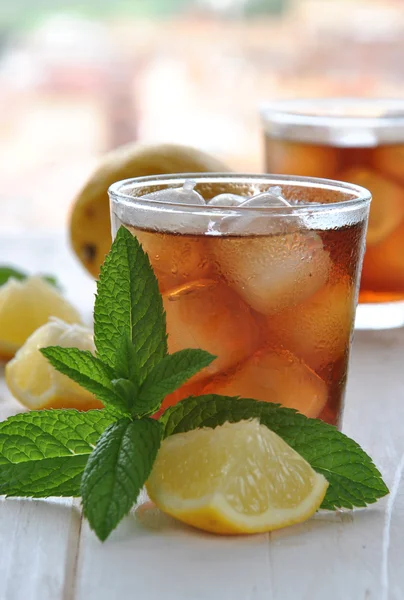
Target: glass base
[{"x": 385, "y": 315}]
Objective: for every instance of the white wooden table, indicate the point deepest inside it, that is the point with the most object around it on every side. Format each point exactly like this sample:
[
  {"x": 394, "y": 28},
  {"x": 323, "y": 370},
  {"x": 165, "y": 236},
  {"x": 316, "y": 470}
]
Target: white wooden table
[{"x": 48, "y": 553}]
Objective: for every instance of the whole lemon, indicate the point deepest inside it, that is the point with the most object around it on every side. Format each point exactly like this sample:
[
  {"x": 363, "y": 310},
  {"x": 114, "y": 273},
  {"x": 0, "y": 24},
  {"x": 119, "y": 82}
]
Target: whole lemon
[{"x": 90, "y": 229}]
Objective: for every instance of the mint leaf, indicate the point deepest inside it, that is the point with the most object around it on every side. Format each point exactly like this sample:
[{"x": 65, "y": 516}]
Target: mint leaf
[
  {"x": 126, "y": 360},
  {"x": 168, "y": 375},
  {"x": 7, "y": 272},
  {"x": 44, "y": 478},
  {"x": 127, "y": 390},
  {"x": 50, "y": 433},
  {"x": 354, "y": 480},
  {"x": 52, "y": 280},
  {"x": 128, "y": 303},
  {"x": 117, "y": 470},
  {"x": 43, "y": 453},
  {"x": 89, "y": 372}
]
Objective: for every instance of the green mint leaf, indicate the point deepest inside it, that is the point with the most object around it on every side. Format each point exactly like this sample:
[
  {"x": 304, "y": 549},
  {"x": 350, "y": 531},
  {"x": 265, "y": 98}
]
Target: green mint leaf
[
  {"x": 7, "y": 272},
  {"x": 50, "y": 433},
  {"x": 52, "y": 280},
  {"x": 127, "y": 390},
  {"x": 117, "y": 470},
  {"x": 126, "y": 360},
  {"x": 89, "y": 372},
  {"x": 43, "y": 453},
  {"x": 41, "y": 479},
  {"x": 128, "y": 303},
  {"x": 168, "y": 375},
  {"x": 354, "y": 480}
]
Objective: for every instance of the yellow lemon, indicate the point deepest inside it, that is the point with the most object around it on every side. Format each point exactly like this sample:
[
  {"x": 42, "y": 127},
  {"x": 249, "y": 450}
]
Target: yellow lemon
[
  {"x": 387, "y": 207},
  {"x": 90, "y": 228},
  {"x": 25, "y": 306},
  {"x": 35, "y": 383},
  {"x": 237, "y": 478}
]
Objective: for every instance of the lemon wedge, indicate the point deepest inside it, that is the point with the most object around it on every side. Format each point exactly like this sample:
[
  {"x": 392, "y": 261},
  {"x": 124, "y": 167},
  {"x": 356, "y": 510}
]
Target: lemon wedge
[
  {"x": 237, "y": 478},
  {"x": 35, "y": 383},
  {"x": 25, "y": 306}
]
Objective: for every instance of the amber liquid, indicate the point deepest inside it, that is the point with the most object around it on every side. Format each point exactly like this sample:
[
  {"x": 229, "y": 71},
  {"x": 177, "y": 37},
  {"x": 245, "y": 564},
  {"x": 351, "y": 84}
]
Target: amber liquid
[
  {"x": 381, "y": 170},
  {"x": 276, "y": 310}
]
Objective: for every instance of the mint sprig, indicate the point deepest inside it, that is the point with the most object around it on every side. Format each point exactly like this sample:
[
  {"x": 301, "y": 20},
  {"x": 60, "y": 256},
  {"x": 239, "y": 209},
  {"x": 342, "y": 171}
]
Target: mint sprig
[{"x": 106, "y": 455}]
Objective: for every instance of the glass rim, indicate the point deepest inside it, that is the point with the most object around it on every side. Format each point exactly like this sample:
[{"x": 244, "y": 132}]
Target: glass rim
[
  {"x": 286, "y": 112},
  {"x": 362, "y": 195},
  {"x": 334, "y": 121}
]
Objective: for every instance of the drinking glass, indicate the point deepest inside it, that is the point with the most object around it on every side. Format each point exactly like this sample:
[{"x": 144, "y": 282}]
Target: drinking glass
[
  {"x": 270, "y": 290},
  {"x": 360, "y": 141}
]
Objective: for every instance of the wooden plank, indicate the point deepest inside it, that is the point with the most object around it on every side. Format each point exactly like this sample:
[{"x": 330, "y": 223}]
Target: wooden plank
[
  {"x": 339, "y": 556},
  {"x": 38, "y": 547},
  {"x": 151, "y": 556},
  {"x": 38, "y": 538}
]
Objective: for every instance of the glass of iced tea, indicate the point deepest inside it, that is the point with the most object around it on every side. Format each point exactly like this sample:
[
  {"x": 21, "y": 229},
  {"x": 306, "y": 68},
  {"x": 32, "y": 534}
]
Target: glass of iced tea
[
  {"x": 360, "y": 141},
  {"x": 261, "y": 271}
]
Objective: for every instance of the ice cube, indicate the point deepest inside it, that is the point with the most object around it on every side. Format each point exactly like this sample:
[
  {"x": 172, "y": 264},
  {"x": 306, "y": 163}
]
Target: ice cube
[
  {"x": 182, "y": 195},
  {"x": 272, "y": 273},
  {"x": 207, "y": 314},
  {"x": 387, "y": 207},
  {"x": 222, "y": 200},
  {"x": 273, "y": 197},
  {"x": 176, "y": 259},
  {"x": 258, "y": 224},
  {"x": 226, "y": 200},
  {"x": 318, "y": 330},
  {"x": 168, "y": 218},
  {"x": 275, "y": 375}
]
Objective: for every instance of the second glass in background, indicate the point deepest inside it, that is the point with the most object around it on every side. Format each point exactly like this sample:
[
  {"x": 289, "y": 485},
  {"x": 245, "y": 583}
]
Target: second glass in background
[{"x": 359, "y": 141}]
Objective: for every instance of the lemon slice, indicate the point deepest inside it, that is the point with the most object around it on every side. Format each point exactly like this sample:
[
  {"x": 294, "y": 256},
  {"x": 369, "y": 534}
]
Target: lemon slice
[
  {"x": 25, "y": 306},
  {"x": 35, "y": 383},
  {"x": 387, "y": 207},
  {"x": 237, "y": 478}
]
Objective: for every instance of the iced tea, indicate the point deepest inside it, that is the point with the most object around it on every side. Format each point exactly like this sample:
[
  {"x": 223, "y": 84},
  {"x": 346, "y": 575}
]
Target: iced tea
[
  {"x": 274, "y": 302},
  {"x": 359, "y": 141}
]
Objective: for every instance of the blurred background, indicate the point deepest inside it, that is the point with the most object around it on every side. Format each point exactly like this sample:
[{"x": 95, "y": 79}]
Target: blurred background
[{"x": 80, "y": 77}]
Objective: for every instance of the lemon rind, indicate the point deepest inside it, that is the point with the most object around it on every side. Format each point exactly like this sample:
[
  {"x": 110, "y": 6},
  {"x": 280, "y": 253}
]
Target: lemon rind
[{"x": 213, "y": 513}]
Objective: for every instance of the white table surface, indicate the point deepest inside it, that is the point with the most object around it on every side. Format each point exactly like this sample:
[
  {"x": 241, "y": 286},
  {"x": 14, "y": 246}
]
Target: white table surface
[{"x": 48, "y": 553}]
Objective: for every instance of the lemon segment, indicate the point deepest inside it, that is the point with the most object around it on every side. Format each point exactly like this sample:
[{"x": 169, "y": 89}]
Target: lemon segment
[
  {"x": 25, "y": 306},
  {"x": 387, "y": 207},
  {"x": 35, "y": 383},
  {"x": 237, "y": 478}
]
